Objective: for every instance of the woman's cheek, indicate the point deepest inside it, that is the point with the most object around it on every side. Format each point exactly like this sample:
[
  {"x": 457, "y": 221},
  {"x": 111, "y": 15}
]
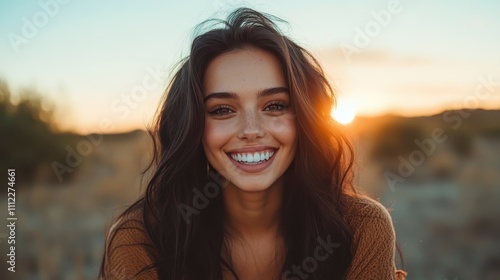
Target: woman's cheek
[
  {"x": 284, "y": 128},
  {"x": 217, "y": 134}
]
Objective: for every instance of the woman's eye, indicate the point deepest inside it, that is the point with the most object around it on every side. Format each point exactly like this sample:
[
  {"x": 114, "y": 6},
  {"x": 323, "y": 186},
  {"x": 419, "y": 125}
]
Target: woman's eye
[
  {"x": 220, "y": 111},
  {"x": 276, "y": 107}
]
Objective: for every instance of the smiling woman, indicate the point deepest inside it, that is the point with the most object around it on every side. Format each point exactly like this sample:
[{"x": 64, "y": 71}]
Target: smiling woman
[{"x": 252, "y": 177}]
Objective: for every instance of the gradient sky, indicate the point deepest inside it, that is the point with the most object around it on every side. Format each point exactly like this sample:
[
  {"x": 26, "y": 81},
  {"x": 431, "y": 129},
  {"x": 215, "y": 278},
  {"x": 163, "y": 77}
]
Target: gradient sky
[{"x": 88, "y": 55}]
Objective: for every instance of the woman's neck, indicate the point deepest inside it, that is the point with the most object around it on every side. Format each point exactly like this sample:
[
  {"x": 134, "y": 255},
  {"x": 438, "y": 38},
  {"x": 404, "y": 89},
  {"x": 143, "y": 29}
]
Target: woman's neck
[{"x": 253, "y": 215}]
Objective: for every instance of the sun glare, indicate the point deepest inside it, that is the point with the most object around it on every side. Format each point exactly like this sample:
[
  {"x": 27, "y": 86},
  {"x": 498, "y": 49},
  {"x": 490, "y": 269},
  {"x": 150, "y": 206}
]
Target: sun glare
[{"x": 344, "y": 113}]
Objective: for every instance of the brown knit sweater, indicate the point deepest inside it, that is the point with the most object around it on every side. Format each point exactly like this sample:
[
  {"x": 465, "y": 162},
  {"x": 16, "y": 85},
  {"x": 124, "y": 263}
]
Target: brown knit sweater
[{"x": 374, "y": 243}]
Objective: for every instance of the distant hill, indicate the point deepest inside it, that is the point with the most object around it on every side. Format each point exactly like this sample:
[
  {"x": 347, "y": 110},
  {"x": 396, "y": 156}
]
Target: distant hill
[
  {"x": 470, "y": 121},
  {"x": 387, "y": 137}
]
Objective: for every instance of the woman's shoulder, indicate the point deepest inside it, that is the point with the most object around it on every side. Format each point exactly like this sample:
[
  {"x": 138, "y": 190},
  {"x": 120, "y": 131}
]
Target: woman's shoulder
[
  {"x": 367, "y": 218},
  {"x": 362, "y": 207},
  {"x": 131, "y": 218},
  {"x": 373, "y": 239},
  {"x": 129, "y": 230},
  {"x": 129, "y": 248}
]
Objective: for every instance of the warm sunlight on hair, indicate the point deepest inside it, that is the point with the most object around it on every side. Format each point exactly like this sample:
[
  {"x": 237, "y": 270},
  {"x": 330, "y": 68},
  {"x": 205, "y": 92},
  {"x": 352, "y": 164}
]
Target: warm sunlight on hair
[{"x": 344, "y": 113}]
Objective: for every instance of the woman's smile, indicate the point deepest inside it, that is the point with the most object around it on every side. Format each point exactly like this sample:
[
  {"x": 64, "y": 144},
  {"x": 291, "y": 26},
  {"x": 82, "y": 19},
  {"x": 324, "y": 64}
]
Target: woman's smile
[{"x": 252, "y": 161}]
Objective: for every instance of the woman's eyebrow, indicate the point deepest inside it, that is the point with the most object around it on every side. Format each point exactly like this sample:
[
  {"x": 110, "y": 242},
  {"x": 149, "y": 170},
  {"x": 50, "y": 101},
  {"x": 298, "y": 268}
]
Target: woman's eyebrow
[
  {"x": 232, "y": 95},
  {"x": 271, "y": 91},
  {"x": 220, "y": 95}
]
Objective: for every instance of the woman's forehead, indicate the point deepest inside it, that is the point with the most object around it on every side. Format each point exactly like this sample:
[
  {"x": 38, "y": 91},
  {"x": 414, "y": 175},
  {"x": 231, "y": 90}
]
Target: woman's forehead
[{"x": 243, "y": 70}]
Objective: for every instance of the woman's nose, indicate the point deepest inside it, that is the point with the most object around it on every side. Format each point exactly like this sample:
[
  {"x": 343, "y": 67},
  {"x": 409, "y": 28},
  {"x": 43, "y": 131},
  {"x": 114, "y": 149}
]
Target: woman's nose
[{"x": 251, "y": 126}]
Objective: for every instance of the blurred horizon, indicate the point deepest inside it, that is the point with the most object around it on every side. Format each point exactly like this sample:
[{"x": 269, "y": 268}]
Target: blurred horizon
[
  {"x": 383, "y": 57},
  {"x": 51, "y": 114}
]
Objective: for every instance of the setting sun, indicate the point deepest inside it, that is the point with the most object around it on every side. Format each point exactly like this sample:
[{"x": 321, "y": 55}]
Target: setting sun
[{"x": 344, "y": 113}]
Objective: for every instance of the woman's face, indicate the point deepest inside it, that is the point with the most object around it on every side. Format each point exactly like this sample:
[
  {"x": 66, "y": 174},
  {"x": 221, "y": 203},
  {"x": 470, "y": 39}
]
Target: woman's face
[{"x": 250, "y": 133}]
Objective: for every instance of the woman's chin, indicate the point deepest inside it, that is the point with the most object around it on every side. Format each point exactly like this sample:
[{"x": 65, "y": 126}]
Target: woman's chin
[{"x": 251, "y": 187}]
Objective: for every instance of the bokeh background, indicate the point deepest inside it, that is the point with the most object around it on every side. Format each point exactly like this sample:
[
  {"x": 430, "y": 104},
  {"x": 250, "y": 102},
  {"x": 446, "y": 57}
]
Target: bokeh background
[{"x": 418, "y": 85}]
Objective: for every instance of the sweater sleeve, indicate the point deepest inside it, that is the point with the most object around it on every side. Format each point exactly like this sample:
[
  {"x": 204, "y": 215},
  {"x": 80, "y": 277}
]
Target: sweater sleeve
[
  {"x": 374, "y": 243},
  {"x": 128, "y": 252}
]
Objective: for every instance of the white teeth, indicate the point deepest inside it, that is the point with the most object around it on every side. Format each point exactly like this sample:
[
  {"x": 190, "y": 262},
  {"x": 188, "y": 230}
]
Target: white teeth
[
  {"x": 256, "y": 157},
  {"x": 253, "y": 158}
]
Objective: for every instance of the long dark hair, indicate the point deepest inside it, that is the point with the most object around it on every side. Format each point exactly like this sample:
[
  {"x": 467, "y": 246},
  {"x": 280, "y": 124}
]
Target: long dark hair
[{"x": 187, "y": 238}]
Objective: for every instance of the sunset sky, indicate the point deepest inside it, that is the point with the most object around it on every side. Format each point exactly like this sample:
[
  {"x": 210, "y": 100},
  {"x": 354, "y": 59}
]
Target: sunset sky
[{"x": 417, "y": 57}]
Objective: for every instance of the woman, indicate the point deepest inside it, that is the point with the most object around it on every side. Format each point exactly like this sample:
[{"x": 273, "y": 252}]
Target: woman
[{"x": 252, "y": 177}]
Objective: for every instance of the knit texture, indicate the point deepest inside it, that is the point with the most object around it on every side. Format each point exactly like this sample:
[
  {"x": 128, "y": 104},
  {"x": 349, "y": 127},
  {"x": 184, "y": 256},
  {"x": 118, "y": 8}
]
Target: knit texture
[{"x": 374, "y": 242}]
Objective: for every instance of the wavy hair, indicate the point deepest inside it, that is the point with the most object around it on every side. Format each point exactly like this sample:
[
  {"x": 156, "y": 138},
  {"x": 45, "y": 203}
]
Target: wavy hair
[{"x": 316, "y": 183}]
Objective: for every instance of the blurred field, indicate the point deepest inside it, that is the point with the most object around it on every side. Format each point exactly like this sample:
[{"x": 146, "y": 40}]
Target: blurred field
[
  {"x": 446, "y": 212},
  {"x": 61, "y": 226}
]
